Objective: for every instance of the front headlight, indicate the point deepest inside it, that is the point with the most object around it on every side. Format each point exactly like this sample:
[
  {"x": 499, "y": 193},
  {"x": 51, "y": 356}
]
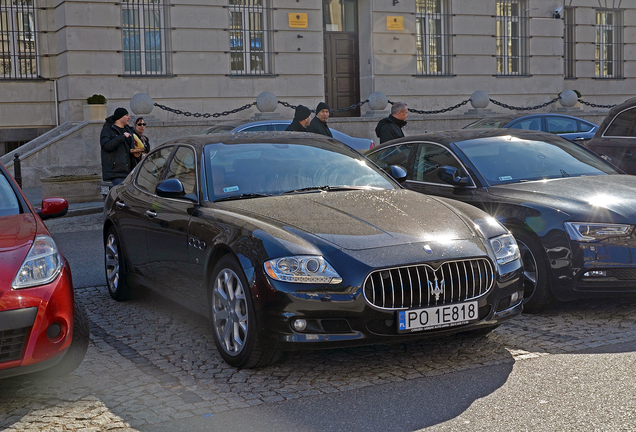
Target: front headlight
[
  {"x": 41, "y": 266},
  {"x": 302, "y": 269},
  {"x": 588, "y": 232},
  {"x": 505, "y": 247}
]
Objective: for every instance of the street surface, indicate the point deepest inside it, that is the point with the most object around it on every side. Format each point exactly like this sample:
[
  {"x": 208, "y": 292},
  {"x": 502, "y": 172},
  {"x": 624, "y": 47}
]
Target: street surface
[{"x": 152, "y": 366}]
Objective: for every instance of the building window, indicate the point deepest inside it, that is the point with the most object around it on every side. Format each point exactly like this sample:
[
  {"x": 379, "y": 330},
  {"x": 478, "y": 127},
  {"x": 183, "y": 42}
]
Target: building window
[
  {"x": 512, "y": 37},
  {"x": 18, "y": 49},
  {"x": 569, "y": 42},
  {"x": 433, "y": 45},
  {"x": 144, "y": 37},
  {"x": 609, "y": 43},
  {"x": 249, "y": 37}
]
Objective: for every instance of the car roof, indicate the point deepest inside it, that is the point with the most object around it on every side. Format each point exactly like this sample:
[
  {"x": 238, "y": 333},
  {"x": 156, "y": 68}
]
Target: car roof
[
  {"x": 251, "y": 137},
  {"x": 456, "y": 135}
]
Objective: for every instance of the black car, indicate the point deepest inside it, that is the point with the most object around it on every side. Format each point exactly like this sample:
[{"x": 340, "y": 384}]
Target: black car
[
  {"x": 288, "y": 241},
  {"x": 572, "y": 213}
]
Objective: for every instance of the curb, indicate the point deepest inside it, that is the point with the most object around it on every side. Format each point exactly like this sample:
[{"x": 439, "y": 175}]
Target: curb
[{"x": 84, "y": 211}]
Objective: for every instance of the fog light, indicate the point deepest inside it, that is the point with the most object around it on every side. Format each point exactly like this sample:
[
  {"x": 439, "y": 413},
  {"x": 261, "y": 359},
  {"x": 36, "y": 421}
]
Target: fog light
[
  {"x": 514, "y": 297},
  {"x": 53, "y": 331},
  {"x": 299, "y": 324},
  {"x": 595, "y": 273}
]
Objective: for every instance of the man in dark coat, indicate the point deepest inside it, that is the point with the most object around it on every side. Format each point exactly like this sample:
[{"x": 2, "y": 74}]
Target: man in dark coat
[
  {"x": 118, "y": 147},
  {"x": 301, "y": 119},
  {"x": 319, "y": 122},
  {"x": 391, "y": 127}
]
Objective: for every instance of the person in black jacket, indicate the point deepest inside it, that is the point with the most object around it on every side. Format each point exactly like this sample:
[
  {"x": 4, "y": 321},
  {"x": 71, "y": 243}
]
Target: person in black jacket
[
  {"x": 391, "y": 127},
  {"x": 319, "y": 122},
  {"x": 301, "y": 119},
  {"x": 118, "y": 147}
]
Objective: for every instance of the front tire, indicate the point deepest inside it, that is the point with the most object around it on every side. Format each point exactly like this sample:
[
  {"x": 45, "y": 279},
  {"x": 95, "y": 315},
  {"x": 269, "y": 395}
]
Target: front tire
[
  {"x": 537, "y": 294},
  {"x": 233, "y": 319},
  {"x": 114, "y": 266}
]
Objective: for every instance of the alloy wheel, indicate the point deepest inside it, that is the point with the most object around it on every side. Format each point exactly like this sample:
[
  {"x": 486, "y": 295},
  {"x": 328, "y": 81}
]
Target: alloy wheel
[
  {"x": 229, "y": 312},
  {"x": 112, "y": 263},
  {"x": 530, "y": 272}
]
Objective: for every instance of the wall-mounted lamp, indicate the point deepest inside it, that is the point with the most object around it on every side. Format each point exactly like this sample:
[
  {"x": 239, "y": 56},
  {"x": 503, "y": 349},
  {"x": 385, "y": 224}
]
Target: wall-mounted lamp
[{"x": 395, "y": 2}]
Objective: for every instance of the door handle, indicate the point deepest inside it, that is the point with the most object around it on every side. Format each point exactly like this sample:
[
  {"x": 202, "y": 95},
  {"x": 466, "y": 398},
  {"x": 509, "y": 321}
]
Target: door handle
[
  {"x": 120, "y": 204},
  {"x": 579, "y": 139},
  {"x": 151, "y": 214}
]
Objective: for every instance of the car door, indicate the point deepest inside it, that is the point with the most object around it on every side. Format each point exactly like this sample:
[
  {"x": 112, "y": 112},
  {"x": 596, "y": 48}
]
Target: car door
[
  {"x": 618, "y": 141},
  {"x": 132, "y": 204},
  {"x": 168, "y": 223}
]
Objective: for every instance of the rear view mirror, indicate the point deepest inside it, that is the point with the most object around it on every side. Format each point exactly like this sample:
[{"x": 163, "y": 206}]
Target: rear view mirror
[
  {"x": 52, "y": 207},
  {"x": 170, "y": 188},
  {"x": 450, "y": 175}
]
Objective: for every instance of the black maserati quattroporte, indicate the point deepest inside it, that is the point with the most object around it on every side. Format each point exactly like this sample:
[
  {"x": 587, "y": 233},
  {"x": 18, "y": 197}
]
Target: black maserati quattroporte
[{"x": 289, "y": 241}]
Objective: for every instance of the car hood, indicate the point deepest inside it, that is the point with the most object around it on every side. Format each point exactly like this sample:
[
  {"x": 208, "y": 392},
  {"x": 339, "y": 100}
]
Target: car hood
[
  {"x": 610, "y": 196},
  {"x": 16, "y": 236},
  {"x": 357, "y": 220}
]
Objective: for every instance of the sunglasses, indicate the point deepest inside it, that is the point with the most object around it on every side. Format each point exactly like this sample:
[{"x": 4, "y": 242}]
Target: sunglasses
[{"x": 141, "y": 124}]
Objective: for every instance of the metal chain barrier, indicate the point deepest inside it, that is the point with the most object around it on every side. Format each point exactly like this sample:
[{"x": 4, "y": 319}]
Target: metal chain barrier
[
  {"x": 593, "y": 105},
  {"x": 454, "y": 107},
  {"x": 359, "y": 104},
  {"x": 205, "y": 115},
  {"x": 510, "y": 107}
]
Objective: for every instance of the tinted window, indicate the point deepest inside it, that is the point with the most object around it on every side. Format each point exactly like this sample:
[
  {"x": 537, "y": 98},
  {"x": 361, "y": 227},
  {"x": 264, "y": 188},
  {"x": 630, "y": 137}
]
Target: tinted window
[
  {"x": 183, "y": 167},
  {"x": 9, "y": 204},
  {"x": 428, "y": 158},
  {"x": 394, "y": 155},
  {"x": 501, "y": 160},
  {"x": 585, "y": 127},
  {"x": 257, "y": 128},
  {"x": 151, "y": 168},
  {"x": 559, "y": 125},
  {"x": 527, "y": 124},
  {"x": 281, "y": 126},
  {"x": 489, "y": 123},
  {"x": 269, "y": 168},
  {"x": 623, "y": 124}
]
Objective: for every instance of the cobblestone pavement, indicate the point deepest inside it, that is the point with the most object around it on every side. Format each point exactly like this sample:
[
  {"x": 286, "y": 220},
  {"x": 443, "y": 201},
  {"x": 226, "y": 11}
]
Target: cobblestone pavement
[{"x": 151, "y": 361}]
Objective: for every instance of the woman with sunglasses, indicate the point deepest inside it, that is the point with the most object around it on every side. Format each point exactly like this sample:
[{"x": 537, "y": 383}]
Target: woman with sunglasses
[{"x": 141, "y": 141}]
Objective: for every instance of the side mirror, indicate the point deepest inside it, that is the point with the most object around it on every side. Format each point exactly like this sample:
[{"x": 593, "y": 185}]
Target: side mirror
[
  {"x": 170, "y": 188},
  {"x": 398, "y": 173},
  {"x": 52, "y": 207},
  {"x": 450, "y": 175}
]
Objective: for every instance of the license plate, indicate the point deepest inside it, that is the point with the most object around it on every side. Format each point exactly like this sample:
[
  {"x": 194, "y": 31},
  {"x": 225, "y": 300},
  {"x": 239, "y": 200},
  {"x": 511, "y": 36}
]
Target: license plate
[{"x": 437, "y": 317}]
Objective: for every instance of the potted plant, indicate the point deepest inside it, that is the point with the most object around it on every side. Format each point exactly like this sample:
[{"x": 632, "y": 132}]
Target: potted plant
[{"x": 95, "y": 108}]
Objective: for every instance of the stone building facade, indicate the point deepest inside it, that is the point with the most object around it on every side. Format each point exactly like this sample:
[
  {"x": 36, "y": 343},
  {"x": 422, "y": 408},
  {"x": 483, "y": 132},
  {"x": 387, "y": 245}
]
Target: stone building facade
[{"x": 210, "y": 56}]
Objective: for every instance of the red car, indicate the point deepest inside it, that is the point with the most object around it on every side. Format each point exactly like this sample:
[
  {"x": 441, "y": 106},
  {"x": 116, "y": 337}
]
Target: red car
[{"x": 41, "y": 326}]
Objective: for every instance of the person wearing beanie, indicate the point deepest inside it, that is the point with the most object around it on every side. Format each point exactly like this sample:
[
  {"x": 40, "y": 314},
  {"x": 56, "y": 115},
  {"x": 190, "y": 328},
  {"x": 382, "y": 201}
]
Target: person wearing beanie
[
  {"x": 301, "y": 119},
  {"x": 319, "y": 122},
  {"x": 390, "y": 128},
  {"x": 118, "y": 147}
]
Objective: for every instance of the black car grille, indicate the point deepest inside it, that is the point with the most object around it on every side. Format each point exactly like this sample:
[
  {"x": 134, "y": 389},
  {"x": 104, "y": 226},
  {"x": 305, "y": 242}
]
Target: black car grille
[
  {"x": 422, "y": 286},
  {"x": 12, "y": 343}
]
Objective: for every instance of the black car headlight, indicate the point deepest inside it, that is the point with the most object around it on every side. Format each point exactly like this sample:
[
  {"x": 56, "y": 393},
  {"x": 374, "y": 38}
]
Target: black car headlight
[
  {"x": 41, "y": 266},
  {"x": 505, "y": 248},
  {"x": 589, "y": 232},
  {"x": 302, "y": 269}
]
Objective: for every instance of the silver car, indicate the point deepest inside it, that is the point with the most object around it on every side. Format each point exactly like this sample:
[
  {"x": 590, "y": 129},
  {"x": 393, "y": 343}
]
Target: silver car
[{"x": 360, "y": 144}]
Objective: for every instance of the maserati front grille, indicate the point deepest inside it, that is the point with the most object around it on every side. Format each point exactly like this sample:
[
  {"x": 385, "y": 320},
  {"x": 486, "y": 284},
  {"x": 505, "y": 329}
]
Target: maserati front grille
[{"x": 422, "y": 286}]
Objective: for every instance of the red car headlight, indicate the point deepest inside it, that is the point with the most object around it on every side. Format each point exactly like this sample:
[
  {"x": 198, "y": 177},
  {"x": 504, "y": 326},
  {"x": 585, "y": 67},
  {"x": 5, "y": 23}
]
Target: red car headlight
[{"x": 41, "y": 266}]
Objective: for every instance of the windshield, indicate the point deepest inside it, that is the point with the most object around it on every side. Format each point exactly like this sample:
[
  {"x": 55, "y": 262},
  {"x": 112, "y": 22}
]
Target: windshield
[
  {"x": 250, "y": 170},
  {"x": 489, "y": 123},
  {"x": 508, "y": 159}
]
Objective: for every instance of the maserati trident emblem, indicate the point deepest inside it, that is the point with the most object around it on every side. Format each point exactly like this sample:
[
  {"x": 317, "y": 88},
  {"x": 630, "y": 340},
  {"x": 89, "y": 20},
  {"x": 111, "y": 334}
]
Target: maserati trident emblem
[
  {"x": 436, "y": 289},
  {"x": 427, "y": 249}
]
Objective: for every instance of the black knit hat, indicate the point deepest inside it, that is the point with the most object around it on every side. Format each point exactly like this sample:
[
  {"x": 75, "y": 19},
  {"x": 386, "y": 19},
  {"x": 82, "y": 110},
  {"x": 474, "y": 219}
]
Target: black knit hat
[
  {"x": 301, "y": 113},
  {"x": 119, "y": 113},
  {"x": 321, "y": 106}
]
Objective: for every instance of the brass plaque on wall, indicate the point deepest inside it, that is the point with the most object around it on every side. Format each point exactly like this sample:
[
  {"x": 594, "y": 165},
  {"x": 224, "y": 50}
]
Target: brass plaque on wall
[
  {"x": 395, "y": 23},
  {"x": 298, "y": 20}
]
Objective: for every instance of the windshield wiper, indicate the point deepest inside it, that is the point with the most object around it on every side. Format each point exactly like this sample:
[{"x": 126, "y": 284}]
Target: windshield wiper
[
  {"x": 325, "y": 188},
  {"x": 242, "y": 196}
]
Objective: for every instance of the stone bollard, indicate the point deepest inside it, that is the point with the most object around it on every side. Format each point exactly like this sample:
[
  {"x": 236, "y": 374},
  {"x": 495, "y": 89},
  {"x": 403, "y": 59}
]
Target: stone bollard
[
  {"x": 568, "y": 99},
  {"x": 266, "y": 103},
  {"x": 479, "y": 101},
  {"x": 377, "y": 105}
]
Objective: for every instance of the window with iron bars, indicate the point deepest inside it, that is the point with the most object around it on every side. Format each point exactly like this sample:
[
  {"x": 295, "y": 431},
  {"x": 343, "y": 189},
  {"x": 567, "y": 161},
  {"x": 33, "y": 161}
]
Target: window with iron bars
[
  {"x": 144, "y": 37},
  {"x": 433, "y": 44},
  {"x": 569, "y": 42},
  {"x": 609, "y": 43},
  {"x": 512, "y": 37},
  {"x": 18, "y": 42},
  {"x": 250, "y": 43}
]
